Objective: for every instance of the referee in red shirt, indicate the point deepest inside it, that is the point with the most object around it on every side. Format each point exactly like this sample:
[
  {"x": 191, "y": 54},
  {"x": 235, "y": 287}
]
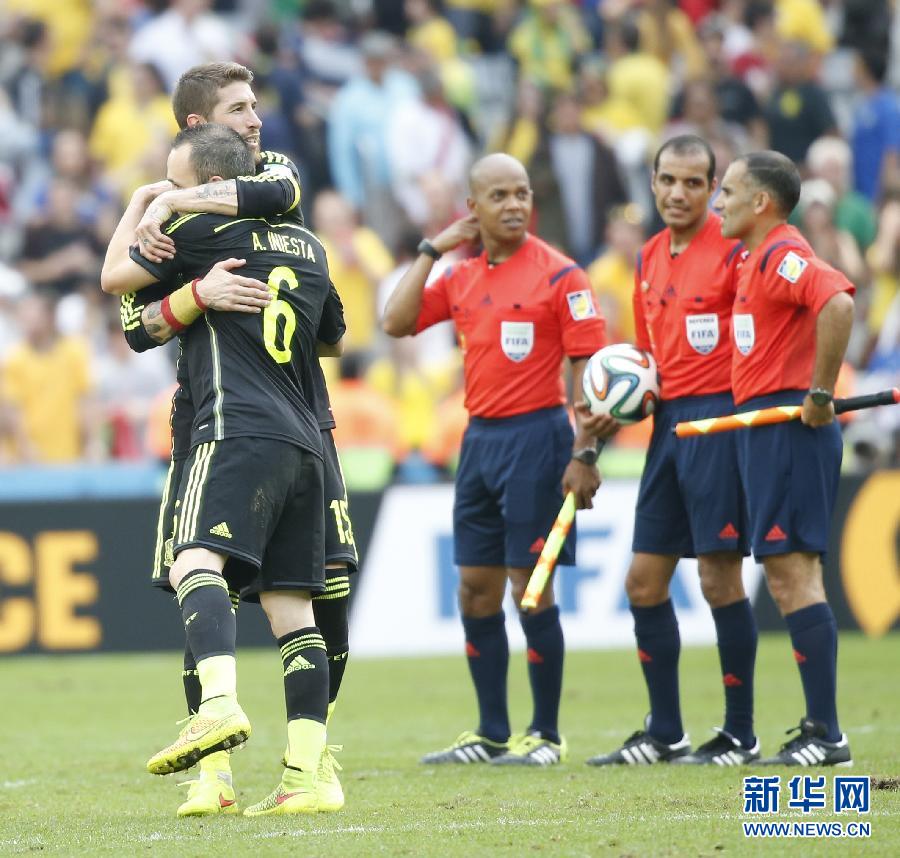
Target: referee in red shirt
[
  {"x": 690, "y": 502},
  {"x": 791, "y": 321},
  {"x": 518, "y": 308}
]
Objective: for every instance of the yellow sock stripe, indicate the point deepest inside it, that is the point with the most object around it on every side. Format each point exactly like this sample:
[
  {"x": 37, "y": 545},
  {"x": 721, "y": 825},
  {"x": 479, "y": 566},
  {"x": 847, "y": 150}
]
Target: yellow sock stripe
[
  {"x": 329, "y": 597},
  {"x": 194, "y": 582},
  {"x": 235, "y": 597},
  {"x": 300, "y": 643},
  {"x": 194, "y": 493},
  {"x": 159, "y": 550},
  {"x": 337, "y": 581},
  {"x": 293, "y": 647}
]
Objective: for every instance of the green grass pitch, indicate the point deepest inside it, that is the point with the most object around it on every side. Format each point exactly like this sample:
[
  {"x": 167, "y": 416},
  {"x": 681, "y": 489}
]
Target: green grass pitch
[{"x": 78, "y": 730}]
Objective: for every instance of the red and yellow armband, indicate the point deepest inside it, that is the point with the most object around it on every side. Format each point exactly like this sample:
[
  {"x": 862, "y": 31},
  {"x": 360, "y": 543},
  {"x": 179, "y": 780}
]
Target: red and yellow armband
[{"x": 183, "y": 306}]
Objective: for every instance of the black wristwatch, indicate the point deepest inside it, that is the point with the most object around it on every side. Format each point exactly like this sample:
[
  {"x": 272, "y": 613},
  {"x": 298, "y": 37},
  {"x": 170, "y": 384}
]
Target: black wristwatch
[
  {"x": 426, "y": 247},
  {"x": 589, "y": 455},
  {"x": 820, "y": 396}
]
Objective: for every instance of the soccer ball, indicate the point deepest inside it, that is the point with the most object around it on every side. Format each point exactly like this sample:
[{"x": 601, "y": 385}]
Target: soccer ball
[{"x": 622, "y": 381}]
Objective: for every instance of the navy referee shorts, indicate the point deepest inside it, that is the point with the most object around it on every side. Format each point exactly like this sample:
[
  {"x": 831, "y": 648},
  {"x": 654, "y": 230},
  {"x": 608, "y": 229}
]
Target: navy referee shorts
[{"x": 509, "y": 489}]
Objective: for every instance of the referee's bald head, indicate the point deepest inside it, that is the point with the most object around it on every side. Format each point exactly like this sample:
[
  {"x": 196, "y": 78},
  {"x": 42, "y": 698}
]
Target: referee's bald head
[{"x": 493, "y": 168}]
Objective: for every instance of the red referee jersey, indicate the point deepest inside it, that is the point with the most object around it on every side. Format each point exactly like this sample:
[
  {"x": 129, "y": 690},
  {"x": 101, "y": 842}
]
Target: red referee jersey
[
  {"x": 515, "y": 322},
  {"x": 782, "y": 286},
  {"x": 682, "y": 309}
]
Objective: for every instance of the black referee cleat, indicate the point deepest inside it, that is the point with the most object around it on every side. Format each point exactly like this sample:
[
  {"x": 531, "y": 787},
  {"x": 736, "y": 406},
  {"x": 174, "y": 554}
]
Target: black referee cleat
[
  {"x": 641, "y": 749},
  {"x": 723, "y": 750},
  {"x": 811, "y": 749},
  {"x": 468, "y": 748}
]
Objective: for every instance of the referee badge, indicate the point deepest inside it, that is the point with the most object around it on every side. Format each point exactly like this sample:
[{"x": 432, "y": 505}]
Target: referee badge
[
  {"x": 702, "y": 331},
  {"x": 744, "y": 332},
  {"x": 581, "y": 305},
  {"x": 792, "y": 266},
  {"x": 517, "y": 340}
]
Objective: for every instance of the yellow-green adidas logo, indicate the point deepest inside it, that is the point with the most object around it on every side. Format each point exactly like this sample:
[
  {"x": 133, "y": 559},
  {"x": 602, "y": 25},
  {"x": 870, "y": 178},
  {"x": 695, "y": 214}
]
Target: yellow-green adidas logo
[
  {"x": 221, "y": 530},
  {"x": 299, "y": 663}
]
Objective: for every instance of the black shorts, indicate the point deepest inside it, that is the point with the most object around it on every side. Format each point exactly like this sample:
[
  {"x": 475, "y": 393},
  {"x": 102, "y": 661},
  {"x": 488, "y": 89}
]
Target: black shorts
[
  {"x": 339, "y": 544},
  {"x": 258, "y": 501}
]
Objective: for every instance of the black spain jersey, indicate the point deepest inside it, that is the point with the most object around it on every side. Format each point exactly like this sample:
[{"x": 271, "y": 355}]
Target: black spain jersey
[
  {"x": 252, "y": 374},
  {"x": 274, "y": 190}
]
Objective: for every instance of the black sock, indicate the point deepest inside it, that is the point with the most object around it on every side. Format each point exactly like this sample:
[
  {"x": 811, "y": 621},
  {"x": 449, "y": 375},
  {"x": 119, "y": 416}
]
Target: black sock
[
  {"x": 814, "y": 638},
  {"x": 305, "y": 674},
  {"x": 487, "y": 649},
  {"x": 546, "y": 651},
  {"x": 208, "y": 616},
  {"x": 331, "y": 611},
  {"x": 659, "y": 646},
  {"x": 193, "y": 693},
  {"x": 737, "y": 637},
  {"x": 190, "y": 677}
]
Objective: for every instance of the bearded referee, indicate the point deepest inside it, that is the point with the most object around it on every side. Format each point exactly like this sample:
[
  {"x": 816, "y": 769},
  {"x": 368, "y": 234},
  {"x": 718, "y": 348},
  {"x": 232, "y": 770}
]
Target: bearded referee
[{"x": 518, "y": 308}]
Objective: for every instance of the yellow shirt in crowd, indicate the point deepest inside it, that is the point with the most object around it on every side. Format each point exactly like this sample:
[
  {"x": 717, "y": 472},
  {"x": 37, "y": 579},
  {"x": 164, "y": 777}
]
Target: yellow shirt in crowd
[
  {"x": 357, "y": 284},
  {"x": 47, "y": 388}
]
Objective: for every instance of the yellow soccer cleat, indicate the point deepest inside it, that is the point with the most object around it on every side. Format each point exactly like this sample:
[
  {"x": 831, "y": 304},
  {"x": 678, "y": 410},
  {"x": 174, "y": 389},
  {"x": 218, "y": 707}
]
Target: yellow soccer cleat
[
  {"x": 299, "y": 796},
  {"x": 222, "y": 727},
  {"x": 328, "y": 787},
  {"x": 210, "y": 794}
]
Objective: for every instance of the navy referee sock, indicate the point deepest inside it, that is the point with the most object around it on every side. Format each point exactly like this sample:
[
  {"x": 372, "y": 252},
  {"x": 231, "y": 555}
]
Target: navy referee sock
[
  {"x": 487, "y": 649},
  {"x": 546, "y": 651},
  {"x": 814, "y": 638},
  {"x": 737, "y": 638},
  {"x": 659, "y": 646}
]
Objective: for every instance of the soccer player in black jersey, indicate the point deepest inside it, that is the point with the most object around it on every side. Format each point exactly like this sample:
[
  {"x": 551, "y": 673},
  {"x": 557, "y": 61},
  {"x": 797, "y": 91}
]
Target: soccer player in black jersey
[
  {"x": 221, "y": 92},
  {"x": 252, "y": 491}
]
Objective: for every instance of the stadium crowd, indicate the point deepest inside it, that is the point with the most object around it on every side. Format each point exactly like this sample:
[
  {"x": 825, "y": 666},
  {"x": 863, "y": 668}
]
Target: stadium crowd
[{"x": 383, "y": 105}]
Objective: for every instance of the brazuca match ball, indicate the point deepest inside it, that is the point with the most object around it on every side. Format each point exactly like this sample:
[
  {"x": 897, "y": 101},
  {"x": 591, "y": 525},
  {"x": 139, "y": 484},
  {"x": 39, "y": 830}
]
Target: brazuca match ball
[{"x": 622, "y": 381}]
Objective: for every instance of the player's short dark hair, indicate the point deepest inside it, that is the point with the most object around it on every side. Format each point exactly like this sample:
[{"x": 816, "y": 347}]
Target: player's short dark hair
[
  {"x": 777, "y": 174},
  {"x": 197, "y": 90},
  {"x": 216, "y": 150},
  {"x": 687, "y": 144}
]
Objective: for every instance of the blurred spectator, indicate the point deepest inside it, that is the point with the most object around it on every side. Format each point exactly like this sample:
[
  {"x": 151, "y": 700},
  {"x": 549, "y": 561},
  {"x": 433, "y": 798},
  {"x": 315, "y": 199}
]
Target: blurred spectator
[
  {"x": 736, "y": 101},
  {"x": 803, "y": 21},
  {"x": 12, "y": 287},
  {"x": 184, "y": 35},
  {"x": 127, "y": 385},
  {"x": 830, "y": 158},
  {"x": 576, "y": 181},
  {"x": 130, "y": 125},
  {"x": 424, "y": 135},
  {"x": 607, "y": 117},
  {"x": 357, "y": 134},
  {"x": 636, "y": 76},
  {"x": 700, "y": 115},
  {"x": 668, "y": 33},
  {"x": 476, "y": 22},
  {"x": 70, "y": 161},
  {"x": 884, "y": 260},
  {"x": 366, "y": 431},
  {"x": 60, "y": 252},
  {"x": 751, "y": 44},
  {"x": 27, "y": 85},
  {"x": 45, "y": 382},
  {"x": 66, "y": 33},
  {"x": 547, "y": 41},
  {"x": 798, "y": 111},
  {"x": 357, "y": 261},
  {"x": 429, "y": 31},
  {"x": 835, "y": 246},
  {"x": 612, "y": 273},
  {"x": 876, "y": 126}
]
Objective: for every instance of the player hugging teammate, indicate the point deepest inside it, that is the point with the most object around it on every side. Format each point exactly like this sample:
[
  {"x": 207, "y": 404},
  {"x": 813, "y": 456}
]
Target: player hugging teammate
[{"x": 221, "y": 92}]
